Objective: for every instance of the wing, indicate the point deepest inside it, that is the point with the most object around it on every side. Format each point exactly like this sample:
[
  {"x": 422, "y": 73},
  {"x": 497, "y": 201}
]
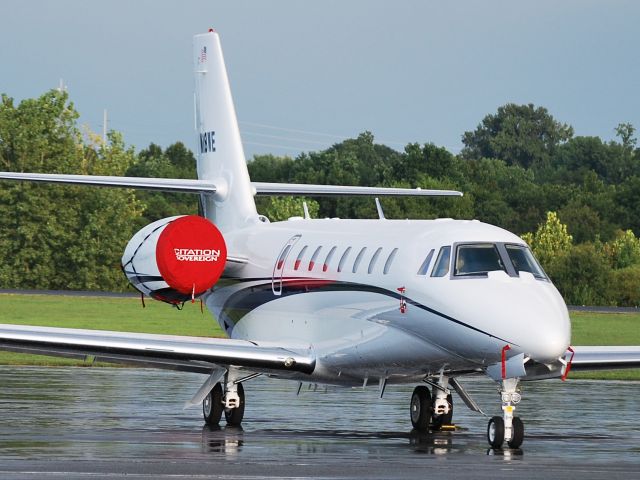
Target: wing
[
  {"x": 605, "y": 358},
  {"x": 204, "y": 186},
  {"x": 161, "y": 351}
]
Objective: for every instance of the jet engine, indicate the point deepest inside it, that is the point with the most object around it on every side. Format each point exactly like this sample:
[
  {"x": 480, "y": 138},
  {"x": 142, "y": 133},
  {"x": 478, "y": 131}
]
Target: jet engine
[{"x": 175, "y": 259}]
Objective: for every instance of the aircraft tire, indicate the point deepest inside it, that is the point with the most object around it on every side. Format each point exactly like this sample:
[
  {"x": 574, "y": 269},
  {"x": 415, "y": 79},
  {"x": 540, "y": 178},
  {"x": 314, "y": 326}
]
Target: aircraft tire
[
  {"x": 518, "y": 433},
  {"x": 212, "y": 406},
  {"x": 495, "y": 432},
  {"x": 234, "y": 416},
  {"x": 421, "y": 408},
  {"x": 447, "y": 419}
]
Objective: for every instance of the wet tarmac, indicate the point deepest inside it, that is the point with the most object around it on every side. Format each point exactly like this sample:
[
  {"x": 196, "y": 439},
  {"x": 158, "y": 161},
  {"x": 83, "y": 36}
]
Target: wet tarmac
[{"x": 108, "y": 423}]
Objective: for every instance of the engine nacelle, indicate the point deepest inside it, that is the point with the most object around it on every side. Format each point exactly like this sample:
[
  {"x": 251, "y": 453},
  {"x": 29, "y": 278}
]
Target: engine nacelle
[{"x": 175, "y": 259}]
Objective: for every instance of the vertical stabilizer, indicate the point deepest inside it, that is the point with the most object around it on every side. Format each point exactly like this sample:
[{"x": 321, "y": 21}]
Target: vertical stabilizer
[{"x": 220, "y": 154}]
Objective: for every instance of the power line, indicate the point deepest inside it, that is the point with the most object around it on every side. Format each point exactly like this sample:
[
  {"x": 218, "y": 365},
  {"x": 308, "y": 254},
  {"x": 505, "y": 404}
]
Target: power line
[
  {"x": 293, "y": 130},
  {"x": 273, "y": 146},
  {"x": 321, "y": 134},
  {"x": 265, "y": 135}
]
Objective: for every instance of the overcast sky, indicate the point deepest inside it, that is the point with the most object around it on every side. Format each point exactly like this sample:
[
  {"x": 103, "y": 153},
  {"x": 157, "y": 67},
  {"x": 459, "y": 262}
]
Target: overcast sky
[{"x": 305, "y": 75}]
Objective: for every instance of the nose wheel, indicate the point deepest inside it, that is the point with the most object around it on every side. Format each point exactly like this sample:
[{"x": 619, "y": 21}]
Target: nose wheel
[{"x": 507, "y": 428}]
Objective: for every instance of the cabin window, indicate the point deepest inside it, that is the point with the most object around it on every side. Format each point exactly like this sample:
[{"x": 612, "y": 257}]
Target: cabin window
[
  {"x": 312, "y": 262},
  {"x": 374, "y": 259},
  {"x": 425, "y": 265},
  {"x": 477, "y": 259},
  {"x": 524, "y": 261},
  {"x": 387, "y": 264},
  {"x": 343, "y": 258},
  {"x": 441, "y": 268},
  {"x": 283, "y": 255},
  {"x": 327, "y": 261},
  {"x": 296, "y": 265},
  {"x": 356, "y": 264}
]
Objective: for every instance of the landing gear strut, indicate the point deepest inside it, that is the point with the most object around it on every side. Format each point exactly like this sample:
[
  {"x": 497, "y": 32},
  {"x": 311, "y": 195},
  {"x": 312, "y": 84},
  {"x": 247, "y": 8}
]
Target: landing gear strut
[
  {"x": 235, "y": 412},
  {"x": 442, "y": 404},
  {"x": 433, "y": 410},
  {"x": 231, "y": 402},
  {"x": 508, "y": 427}
]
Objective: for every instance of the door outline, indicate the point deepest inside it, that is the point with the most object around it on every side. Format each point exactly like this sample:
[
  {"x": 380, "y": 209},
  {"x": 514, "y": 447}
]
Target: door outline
[{"x": 281, "y": 261}]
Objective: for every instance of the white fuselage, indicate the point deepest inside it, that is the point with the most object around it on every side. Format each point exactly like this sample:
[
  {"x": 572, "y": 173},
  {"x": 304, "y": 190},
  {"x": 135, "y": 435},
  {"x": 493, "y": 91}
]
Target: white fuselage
[{"x": 301, "y": 288}]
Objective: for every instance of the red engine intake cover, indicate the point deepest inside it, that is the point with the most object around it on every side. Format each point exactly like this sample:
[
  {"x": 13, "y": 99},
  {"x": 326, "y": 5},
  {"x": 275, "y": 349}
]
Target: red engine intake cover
[{"x": 191, "y": 254}]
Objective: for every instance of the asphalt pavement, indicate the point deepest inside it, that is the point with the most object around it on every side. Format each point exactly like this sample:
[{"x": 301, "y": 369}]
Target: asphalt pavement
[{"x": 116, "y": 422}]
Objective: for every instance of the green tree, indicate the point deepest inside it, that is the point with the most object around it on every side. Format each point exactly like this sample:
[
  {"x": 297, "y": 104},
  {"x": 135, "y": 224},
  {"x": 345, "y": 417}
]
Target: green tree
[
  {"x": 60, "y": 236},
  {"x": 504, "y": 195},
  {"x": 626, "y": 131},
  {"x": 550, "y": 242},
  {"x": 583, "y": 276},
  {"x": 627, "y": 198},
  {"x": 283, "y": 208},
  {"x": 583, "y": 222},
  {"x": 623, "y": 251},
  {"x": 174, "y": 162},
  {"x": 624, "y": 289},
  {"x": 429, "y": 159},
  {"x": 518, "y": 134}
]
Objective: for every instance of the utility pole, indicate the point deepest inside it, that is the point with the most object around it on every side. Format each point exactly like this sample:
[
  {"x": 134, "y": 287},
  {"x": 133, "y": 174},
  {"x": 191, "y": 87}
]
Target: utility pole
[{"x": 104, "y": 127}]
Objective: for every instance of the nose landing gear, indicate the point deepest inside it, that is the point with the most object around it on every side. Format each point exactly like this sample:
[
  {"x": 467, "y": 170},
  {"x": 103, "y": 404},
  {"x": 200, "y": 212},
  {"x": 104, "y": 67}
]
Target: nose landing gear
[{"x": 507, "y": 428}]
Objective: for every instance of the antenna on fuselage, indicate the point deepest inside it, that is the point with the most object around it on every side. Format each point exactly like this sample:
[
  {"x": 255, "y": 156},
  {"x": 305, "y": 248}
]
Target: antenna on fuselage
[
  {"x": 305, "y": 207},
  {"x": 379, "y": 208}
]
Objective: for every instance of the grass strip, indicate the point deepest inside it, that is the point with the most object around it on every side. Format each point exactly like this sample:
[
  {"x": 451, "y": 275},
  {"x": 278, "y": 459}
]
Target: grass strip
[{"x": 100, "y": 313}]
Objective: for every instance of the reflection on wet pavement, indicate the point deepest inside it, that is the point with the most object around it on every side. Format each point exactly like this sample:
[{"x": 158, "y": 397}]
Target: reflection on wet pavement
[{"x": 97, "y": 414}]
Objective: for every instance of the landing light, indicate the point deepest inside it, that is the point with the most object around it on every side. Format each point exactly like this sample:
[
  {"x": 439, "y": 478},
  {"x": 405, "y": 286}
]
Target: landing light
[{"x": 511, "y": 397}]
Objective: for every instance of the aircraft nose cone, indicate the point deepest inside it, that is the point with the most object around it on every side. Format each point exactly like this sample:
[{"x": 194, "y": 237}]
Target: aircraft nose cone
[
  {"x": 549, "y": 346},
  {"x": 552, "y": 335}
]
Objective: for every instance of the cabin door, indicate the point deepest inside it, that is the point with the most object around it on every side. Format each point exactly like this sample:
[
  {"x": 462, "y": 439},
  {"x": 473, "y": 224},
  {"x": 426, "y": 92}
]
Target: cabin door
[{"x": 279, "y": 267}]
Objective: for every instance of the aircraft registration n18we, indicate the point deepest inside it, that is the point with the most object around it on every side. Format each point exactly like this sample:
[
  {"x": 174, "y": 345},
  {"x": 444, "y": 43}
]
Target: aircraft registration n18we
[{"x": 329, "y": 301}]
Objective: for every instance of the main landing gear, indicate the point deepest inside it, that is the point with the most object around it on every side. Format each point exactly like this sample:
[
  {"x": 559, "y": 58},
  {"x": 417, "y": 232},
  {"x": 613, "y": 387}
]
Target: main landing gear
[
  {"x": 507, "y": 428},
  {"x": 230, "y": 402},
  {"x": 429, "y": 410}
]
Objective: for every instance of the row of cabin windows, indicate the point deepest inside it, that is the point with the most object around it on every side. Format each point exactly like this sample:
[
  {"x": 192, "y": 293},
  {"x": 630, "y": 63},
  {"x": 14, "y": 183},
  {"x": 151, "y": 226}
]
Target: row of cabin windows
[{"x": 343, "y": 259}]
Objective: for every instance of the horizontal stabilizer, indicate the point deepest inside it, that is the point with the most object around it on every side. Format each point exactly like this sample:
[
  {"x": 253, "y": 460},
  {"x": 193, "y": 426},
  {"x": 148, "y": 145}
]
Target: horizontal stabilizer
[
  {"x": 339, "y": 190},
  {"x": 160, "y": 184},
  {"x": 206, "y": 186}
]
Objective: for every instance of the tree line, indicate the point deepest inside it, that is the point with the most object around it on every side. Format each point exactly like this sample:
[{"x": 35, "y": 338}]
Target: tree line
[{"x": 575, "y": 198}]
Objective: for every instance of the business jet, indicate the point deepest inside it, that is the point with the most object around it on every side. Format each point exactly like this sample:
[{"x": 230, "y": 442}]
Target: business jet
[{"x": 329, "y": 301}]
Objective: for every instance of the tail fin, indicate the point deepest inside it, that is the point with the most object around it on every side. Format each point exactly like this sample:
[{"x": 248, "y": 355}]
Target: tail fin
[{"x": 220, "y": 154}]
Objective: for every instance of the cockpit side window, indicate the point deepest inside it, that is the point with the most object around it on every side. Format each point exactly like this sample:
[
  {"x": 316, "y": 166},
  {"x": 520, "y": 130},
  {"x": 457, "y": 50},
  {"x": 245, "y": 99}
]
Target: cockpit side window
[
  {"x": 477, "y": 259},
  {"x": 441, "y": 268},
  {"x": 524, "y": 261}
]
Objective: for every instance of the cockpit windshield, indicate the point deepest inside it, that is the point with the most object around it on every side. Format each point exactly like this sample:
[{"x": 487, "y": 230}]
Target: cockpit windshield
[
  {"x": 524, "y": 261},
  {"x": 477, "y": 259}
]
